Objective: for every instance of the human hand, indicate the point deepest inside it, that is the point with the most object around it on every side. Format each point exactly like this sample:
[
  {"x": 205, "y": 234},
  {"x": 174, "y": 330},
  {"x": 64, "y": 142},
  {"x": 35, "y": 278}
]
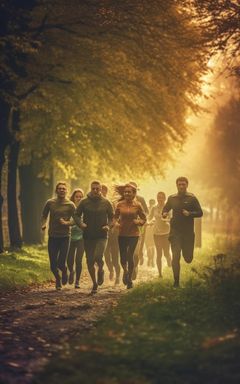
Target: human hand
[
  {"x": 63, "y": 221},
  {"x": 105, "y": 228},
  {"x": 164, "y": 215},
  {"x": 185, "y": 212},
  {"x": 83, "y": 225},
  {"x": 43, "y": 227}
]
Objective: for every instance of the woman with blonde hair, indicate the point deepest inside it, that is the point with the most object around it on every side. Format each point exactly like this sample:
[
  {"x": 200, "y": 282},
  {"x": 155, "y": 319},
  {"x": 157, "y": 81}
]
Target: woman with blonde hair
[{"x": 129, "y": 215}]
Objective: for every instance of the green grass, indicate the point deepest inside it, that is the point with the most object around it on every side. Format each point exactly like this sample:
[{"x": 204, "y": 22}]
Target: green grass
[
  {"x": 22, "y": 268},
  {"x": 158, "y": 334}
]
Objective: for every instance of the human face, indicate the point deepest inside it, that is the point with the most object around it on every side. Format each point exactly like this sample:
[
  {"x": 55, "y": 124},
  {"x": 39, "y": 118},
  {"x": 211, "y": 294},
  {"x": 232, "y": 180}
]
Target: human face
[
  {"x": 77, "y": 197},
  {"x": 128, "y": 193},
  {"x": 161, "y": 198},
  {"x": 96, "y": 189},
  {"x": 61, "y": 191},
  {"x": 104, "y": 191},
  {"x": 182, "y": 187}
]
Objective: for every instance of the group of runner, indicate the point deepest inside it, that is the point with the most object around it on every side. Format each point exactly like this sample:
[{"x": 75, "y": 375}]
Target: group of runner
[{"x": 100, "y": 228}]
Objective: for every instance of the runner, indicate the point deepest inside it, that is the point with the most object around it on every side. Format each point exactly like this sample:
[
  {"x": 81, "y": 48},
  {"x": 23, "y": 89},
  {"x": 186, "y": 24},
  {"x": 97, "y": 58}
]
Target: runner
[
  {"x": 59, "y": 234},
  {"x": 129, "y": 215}
]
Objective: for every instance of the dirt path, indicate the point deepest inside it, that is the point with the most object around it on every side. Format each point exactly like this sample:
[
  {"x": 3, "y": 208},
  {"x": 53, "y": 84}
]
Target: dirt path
[{"x": 35, "y": 323}]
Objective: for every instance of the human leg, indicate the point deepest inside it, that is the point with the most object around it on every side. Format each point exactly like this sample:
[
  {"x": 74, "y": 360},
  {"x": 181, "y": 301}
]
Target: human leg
[
  {"x": 70, "y": 260},
  {"x": 175, "y": 241},
  {"x": 53, "y": 250},
  {"x": 188, "y": 246},
  {"x": 79, "y": 257}
]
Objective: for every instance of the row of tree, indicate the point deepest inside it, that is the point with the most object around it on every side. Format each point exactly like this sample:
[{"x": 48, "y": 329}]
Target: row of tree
[{"x": 95, "y": 88}]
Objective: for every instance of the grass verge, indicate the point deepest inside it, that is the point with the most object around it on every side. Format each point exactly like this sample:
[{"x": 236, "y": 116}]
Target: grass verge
[
  {"x": 24, "y": 267},
  {"x": 158, "y": 334}
]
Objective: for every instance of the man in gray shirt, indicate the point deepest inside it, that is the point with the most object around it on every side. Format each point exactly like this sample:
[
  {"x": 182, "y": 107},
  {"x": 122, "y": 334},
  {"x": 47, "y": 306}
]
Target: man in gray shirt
[{"x": 59, "y": 234}]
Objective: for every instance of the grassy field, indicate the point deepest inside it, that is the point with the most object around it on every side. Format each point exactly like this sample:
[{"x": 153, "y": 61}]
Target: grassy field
[
  {"x": 158, "y": 334},
  {"x": 25, "y": 267}
]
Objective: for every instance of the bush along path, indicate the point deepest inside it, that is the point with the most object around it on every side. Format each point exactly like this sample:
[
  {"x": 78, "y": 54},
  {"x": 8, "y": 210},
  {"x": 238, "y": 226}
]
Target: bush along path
[
  {"x": 158, "y": 334},
  {"x": 36, "y": 321}
]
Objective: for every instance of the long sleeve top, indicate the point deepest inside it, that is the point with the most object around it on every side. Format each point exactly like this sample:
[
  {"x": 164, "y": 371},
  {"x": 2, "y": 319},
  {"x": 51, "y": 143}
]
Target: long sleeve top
[
  {"x": 177, "y": 203},
  {"x": 125, "y": 213},
  {"x": 58, "y": 209}
]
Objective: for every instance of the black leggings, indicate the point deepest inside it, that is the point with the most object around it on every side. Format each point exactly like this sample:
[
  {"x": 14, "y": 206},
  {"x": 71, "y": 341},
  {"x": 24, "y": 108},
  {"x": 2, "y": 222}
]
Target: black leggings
[
  {"x": 127, "y": 247},
  {"x": 57, "y": 250},
  {"x": 75, "y": 254}
]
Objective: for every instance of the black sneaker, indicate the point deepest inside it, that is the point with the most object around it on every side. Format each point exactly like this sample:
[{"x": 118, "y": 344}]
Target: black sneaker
[
  {"x": 94, "y": 289},
  {"x": 125, "y": 277},
  {"x": 77, "y": 285},
  {"x": 58, "y": 284},
  {"x": 71, "y": 277},
  {"x": 100, "y": 278},
  {"x": 64, "y": 277},
  {"x": 129, "y": 284}
]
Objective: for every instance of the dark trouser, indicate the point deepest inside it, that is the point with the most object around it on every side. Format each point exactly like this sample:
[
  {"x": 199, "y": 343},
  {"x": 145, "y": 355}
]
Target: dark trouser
[
  {"x": 94, "y": 249},
  {"x": 127, "y": 247},
  {"x": 111, "y": 254},
  {"x": 181, "y": 242},
  {"x": 75, "y": 254},
  {"x": 57, "y": 250},
  {"x": 162, "y": 247}
]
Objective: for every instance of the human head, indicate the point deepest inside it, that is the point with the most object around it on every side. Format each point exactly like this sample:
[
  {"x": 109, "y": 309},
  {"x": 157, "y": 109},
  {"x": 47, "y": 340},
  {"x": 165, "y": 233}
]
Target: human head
[
  {"x": 61, "y": 189},
  {"x": 104, "y": 190},
  {"x": 96, "y": 188},
  {"x": 182, "y": 184},
  {"x": 161, "y": 197},
  {"x": 127, "y": 191},
  {"x": 151, "y": 202},
  {"x": 77, "y": 196}
]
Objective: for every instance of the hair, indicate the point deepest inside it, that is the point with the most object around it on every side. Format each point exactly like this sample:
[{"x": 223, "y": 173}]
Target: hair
[
  {"x": 74, "y": 193},
  {"x": 105, "y": 186},
  {"x": 182, "y": 178},
  {"x": 120, "y": 189},
  {"x": 162, "y": 193},
  {"x": 96, "y": 182},
  {"x": 59, "y": 183}
]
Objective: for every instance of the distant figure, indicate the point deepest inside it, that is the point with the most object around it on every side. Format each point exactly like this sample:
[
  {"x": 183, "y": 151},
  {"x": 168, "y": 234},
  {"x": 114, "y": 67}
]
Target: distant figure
[
  {"x": 59, "y": 234},
  {"x": 76, "y": 248},
  {"x": 129, "y": 216},
  {"x": 111, "y": 253},
  {"x": 94, "y": 215},
  {"x": 138, "y": 254},
  {"x": 161, "y": 229},
  {"x": 149, "y": 242},
  {"x": 185, "y": 207}
]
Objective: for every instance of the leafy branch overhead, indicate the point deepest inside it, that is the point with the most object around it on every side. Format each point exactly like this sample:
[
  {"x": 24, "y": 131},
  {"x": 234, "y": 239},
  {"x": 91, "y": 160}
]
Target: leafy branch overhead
[{"x": 106, "y": 83}]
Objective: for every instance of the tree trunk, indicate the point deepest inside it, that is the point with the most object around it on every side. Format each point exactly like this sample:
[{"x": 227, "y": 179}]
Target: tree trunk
[
  {"x": 34, "y": 193},
  {"x": 5, "y": 138},
  {"x": 13, "y": 218}
]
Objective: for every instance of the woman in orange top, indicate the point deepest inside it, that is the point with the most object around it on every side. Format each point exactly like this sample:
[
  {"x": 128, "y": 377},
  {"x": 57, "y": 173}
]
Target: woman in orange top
[{"x": 129, "y": 215}]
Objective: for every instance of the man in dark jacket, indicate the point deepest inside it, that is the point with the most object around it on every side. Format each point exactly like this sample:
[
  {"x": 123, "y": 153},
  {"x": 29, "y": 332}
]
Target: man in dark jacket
[
  {"x": 185, "y": 207},
  {"x": 94, "y": 215}
]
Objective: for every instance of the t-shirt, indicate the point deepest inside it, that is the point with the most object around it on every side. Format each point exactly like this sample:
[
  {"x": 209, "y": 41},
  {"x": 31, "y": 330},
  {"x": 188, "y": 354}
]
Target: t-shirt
[
  {"x": 58, "y": 209},
  {"x": 160, "y": 226}
]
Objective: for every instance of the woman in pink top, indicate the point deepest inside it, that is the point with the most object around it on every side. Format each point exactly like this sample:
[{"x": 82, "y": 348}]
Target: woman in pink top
[{"x": 129, "y": 215}]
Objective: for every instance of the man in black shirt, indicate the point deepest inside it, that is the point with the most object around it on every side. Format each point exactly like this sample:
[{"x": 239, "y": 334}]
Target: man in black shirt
[{"x": 185, "y": 207}]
